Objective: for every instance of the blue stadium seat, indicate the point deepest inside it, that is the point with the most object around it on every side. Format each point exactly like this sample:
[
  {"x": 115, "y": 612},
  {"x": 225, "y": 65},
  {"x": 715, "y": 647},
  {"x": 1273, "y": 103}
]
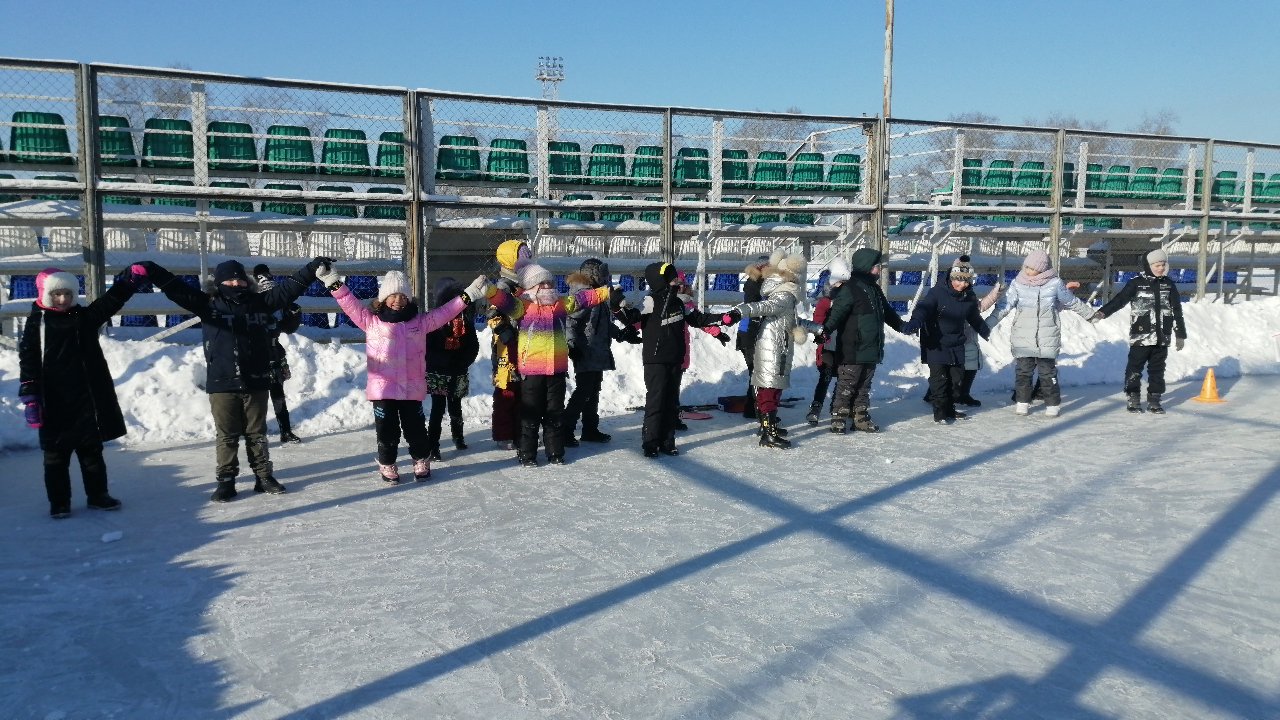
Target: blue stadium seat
[{"x": 727, "y": 281}]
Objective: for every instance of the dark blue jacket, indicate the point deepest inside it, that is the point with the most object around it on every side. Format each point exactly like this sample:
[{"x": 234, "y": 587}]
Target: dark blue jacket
[
  {"x": 237, "y": 327},
  {"x": 941, "y": 316}
]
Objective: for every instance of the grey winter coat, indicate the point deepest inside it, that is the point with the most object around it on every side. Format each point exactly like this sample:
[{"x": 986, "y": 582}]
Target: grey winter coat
[
  {"x": 1036, "y": 330},
  {"x": 775, "y": 343}
]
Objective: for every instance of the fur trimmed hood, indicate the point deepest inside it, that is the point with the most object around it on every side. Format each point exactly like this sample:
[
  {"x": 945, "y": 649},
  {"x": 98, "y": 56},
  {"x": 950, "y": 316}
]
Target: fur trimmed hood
[
  {"x": 785, "y": 273},
  {"x": 578, "y": 280}
]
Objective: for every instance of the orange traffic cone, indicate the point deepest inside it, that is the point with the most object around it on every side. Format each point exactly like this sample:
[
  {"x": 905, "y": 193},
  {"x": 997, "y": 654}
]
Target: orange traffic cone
[{"x": 1209, "y": 390}]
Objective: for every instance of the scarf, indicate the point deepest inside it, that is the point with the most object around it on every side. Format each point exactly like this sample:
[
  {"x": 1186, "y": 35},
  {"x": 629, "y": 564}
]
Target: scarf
[{"x": 1038, "y": 279}]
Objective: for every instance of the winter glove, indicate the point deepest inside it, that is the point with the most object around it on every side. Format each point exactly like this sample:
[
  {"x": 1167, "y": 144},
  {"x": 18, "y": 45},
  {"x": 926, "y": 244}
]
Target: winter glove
[
  {"x": 479, "y": 289},
  {"x": 31, "y": 411},
  {"x": 1179, "y": 343},
  {"x": 318, "y": 262},
  {"x": 820, "y": 337},
  {"x": 135, "y": 275},
  {"x": 154, "y": 272},
  {"x": 617, "y": 298},
  {"x": 632, "y": 336},
  {"x": 731, "y": 317},
  {"x": 327, "y": 275}
]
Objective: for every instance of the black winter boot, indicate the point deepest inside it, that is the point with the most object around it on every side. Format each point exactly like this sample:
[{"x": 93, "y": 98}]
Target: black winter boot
[
  {"x": 225, "y": 491},
  {"x": 839, "y": 422},
  {"x": 769, "y": 436},
  {"x": 862, "y": 421},
  {"x": 749, "y": 407},
  {"x": 455, "y": 427},
  {"x": 1153, "y": 404},
  {"x": 103, "y": 502},
  {"x": 268, "y": 484},
  {"x": 814, "y": 411},
  {"x": 1135, "y": 402}
]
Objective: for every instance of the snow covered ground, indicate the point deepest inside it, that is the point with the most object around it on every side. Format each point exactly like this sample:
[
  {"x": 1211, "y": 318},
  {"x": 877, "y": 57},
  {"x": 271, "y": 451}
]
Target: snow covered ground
[{"x": 1100, "y": 565}]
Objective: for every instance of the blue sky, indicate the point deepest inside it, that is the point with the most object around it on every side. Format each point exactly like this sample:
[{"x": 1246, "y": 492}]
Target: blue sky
[{"x": 1212, "y": 64}]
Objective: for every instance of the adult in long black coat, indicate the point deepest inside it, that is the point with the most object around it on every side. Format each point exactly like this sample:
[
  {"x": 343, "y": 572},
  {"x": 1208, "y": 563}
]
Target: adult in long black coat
[
  {"x": 66, "y": 384},
  {"x": 236, "y": 322},
  {"x": 941, "y": 317}
]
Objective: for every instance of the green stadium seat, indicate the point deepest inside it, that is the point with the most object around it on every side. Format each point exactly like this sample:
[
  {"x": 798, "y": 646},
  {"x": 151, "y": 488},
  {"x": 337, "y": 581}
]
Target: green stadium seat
[
  {"x": 458, "y": 158},
  {"x": 578, "y": 215},
  {"x": 652, "y": 216},
  {"x": 37, "y": 138},
  {"x": 807, "y": 174},
  {"x": 232, "y": 147},
  {"x": 177, "y": 201},
  {"x": 1111, "y": 223},
  {"x": 115, "y": 143},
  {"x": 646, "y": 168},
  {"x": 999, "y": 178},
  {"x": 1271, "y": 193},
  {"x": 234, "y": 205},
  {"x": 1143, "y": 183},
  {"x": 1116, "y": 182},
  {"x": 1005, "y": 218},
  {"x": 733, "y": 218},
  {"x": 692, "y": 168},
  {"x": 1092, "y": 179},
  {"x": 1069, "y": 179},
  {"x": 607, "y": 165},
  {"x": 762, "y": 218},
  {"x": 1171, "y": 185},
  {"x": 284, "y": 208},
  {"x": 344, "y": 152},
  {"x": 970, "y": 175},
  {"x": 616, "y": 215},
  {"x": 1032, "y": 179},
  {"x": 734, "y": 169},
  {"x": 978, "y": 203},
  {"x": 335, "y": 209},
  {"x": 167, "y": 143},
  {"x": 508, "y": 161},
  {"x": 687, "y": 217},
  {"x": 799, "y": 218},
  {"x": 390, "y": 156},
  {"x": 564, "y": 162},
  {"x": 289, "y": 150},
  {"x": 120, "y": 199},
  {"x": 386, "y": 212},
  {"x": 770, "y": 171},
  {"x": 59, "y": 178},
  {"x": 1259, "y": 184},
  {"x": 1224, "y": 187}
]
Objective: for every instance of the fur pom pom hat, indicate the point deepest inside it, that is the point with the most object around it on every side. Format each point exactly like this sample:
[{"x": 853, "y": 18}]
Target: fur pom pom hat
[
  {"x": 533, "y": 274},
  {"x": 52, "y": 279},
  {"x": 394, "y": 282}
]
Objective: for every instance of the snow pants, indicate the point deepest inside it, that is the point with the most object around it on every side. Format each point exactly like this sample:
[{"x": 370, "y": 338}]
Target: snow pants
[
  {"x": 390, "y": 418},
  {"x": 57, "y": 472},
  {"x": 542, "y": 407},
  {"x": 1153, "y": 358},
  {"x": 237, "y": 415},
  {"x": 1046, "y": 370}
]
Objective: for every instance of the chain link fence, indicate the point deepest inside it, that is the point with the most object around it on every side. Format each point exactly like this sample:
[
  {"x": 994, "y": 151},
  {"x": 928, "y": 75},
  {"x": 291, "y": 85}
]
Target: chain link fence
[{"x": 190, "y": 168}]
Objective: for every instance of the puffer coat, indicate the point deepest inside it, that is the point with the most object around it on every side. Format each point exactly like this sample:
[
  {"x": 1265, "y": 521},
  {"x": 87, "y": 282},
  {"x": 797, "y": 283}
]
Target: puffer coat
[
  {"x": 396, "y": 351},
  {"x": 1036, "y": 330},
  {"x": 775, "y": 342}
]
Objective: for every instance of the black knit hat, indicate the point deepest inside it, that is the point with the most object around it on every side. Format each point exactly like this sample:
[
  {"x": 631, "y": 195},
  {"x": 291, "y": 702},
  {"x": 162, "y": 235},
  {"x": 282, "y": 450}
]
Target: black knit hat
[{"x": 229, "y": 270}]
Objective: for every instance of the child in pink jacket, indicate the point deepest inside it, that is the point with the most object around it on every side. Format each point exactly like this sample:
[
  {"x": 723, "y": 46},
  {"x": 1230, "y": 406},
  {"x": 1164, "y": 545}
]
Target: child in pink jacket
[{"x": 396, "y": 348}]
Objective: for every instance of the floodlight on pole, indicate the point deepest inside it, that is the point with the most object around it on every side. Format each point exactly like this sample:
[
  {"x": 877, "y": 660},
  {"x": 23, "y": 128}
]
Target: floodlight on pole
[{"x": 550, "y": 74}]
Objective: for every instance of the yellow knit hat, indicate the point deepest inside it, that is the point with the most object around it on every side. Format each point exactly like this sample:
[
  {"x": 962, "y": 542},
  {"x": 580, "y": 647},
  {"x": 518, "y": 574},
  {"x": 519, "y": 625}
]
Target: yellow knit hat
[{"x": 508, "y": 253}]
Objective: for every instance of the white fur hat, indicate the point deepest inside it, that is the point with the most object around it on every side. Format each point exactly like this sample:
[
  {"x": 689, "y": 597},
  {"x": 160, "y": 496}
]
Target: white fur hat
[
  {"x": 839, "y": 271},
  {"x": 51, "y": 279},
  {"x": 394, "y": 282}
]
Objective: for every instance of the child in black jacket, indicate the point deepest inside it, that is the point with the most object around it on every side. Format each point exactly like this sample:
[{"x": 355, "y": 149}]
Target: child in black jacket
[
  {"x": 451, "y": 350},
  {"x": 236, "y": 322},
  {"x": 66, "y": 385},
  {"x": 663, "y": 318},
  {"x": 286, "y": 321},
  {"x": 1155, "y": 324}
]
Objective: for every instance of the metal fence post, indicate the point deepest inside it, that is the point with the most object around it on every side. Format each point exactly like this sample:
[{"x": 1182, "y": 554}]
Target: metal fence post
[
  {"x": 420, "y": 219},
  {"x": 1206, "y": 198},
  {"x": 95, "y": 281}
]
